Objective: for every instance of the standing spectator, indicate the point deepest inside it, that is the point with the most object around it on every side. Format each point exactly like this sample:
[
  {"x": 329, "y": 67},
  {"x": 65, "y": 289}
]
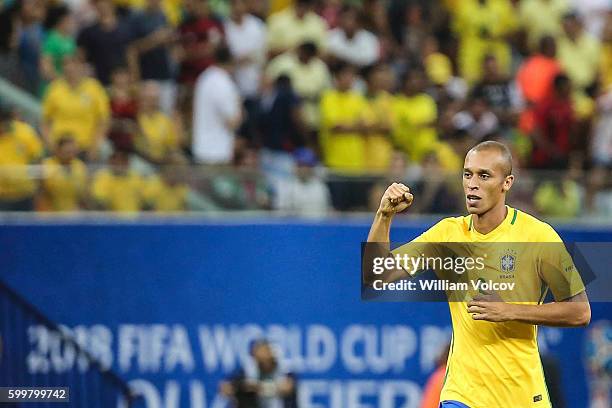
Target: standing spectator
[
  {"x": 159, "y": 135},
  {"x": 149, "y": 56},
  {"x": 295, "y": 25},
  {"x": 342, "y": 124},
  {"x": 217, "y": 112},
  {"x": 30, "y": 43},
  {"x": 117, "y": 187},
  {"x": 536, "y": 75},
  {"x": 279, "y": 129},
  {"x": 304, "y": 194},
  {"x": 309, "y": 76},
  {"x": 19, "y": 147},
  {"x": 77, "y": 105},
  {"x": 541, "y": 18},
  {"x": 415, "y": 117},
  {"x": 64, "y": 177},
  {"x": 379, "y": 119},
  {"x": 350, "y": 43},
  {"x": 246, "y": 39},
  {"x": 122, "y": 95},
  {"x": 342, "y": 140},
  {"x": 59, "y": 42},
  {"x": 555, "y": 122},
  {"x": 200, "y": 35},
  {"x": 578, "y": 52},
  {"x": 104, "y": 42},
  {"x": 481, "y": 26}
]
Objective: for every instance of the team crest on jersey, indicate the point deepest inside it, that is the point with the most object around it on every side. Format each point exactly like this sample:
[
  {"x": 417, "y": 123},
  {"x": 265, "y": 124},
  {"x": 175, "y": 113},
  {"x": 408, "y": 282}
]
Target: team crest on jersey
[{"x": 507, "y": 262}]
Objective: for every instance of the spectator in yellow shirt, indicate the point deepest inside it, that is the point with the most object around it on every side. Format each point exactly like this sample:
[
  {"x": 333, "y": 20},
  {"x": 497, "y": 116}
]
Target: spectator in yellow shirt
[
  {"x": 295, "y": 25},
  {"x": 342, "y": 139},
  {"x": 342, "y": 125},
  {"x": 77, "y": 105},
  {"x": 64, "y": 177},
  {"x": 309, "y": 77},
  {"x": 118, "y": 188},
  {"x": 578, "y": 52},
  {"x": 605, "y": 62},
  {"x": 19, "y": 147},
  {"x": 540, "y": 18},
  {"x": 415, "y": 116},
  {"x": 167, "y": 192},
  {"x": 482, "y": 26},
  {"x": 159, "y": 134},
  {"x": 378, "y": 117}
]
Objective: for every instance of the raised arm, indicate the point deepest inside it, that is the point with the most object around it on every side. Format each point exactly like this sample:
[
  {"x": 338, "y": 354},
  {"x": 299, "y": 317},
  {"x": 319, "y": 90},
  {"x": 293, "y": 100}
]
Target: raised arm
[{"x": 396, "y": 199}]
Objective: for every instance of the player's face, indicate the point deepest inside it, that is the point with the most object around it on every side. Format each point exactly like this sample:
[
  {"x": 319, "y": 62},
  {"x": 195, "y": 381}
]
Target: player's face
[{"x": 485, "y": 182}]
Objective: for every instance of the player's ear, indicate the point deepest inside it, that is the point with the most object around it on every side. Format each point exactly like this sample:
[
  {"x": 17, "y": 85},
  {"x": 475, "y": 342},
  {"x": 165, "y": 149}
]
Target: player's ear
[{"x": 508, "y": 181}]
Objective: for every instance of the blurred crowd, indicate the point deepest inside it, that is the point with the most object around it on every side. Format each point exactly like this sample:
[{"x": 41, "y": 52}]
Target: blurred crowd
[{"x": 306, "y": 106}]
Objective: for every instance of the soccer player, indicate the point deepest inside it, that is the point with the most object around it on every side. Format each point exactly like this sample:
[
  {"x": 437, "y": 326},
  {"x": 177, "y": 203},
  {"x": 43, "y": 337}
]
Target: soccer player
[{"x": 494, "y": 360}]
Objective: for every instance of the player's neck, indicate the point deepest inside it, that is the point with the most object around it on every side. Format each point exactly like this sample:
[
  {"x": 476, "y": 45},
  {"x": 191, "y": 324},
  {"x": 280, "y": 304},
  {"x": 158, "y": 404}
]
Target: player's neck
[{"x": 488, "y": 221}]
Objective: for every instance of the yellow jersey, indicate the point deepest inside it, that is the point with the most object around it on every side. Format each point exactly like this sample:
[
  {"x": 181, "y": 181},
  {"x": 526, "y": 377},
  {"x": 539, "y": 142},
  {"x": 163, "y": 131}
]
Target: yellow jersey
[
  {"x": 118, "y": 192},
  {"x": 64, "y": 186},
  {"x": 77, "y": 111},
  {"x": 414, "y": 129},
  {"x": 498, "y": 364},
  {"x": 158, "y": 137},
  {"x": 343, "y": 152},
  {"x": 161, "y": 196}
]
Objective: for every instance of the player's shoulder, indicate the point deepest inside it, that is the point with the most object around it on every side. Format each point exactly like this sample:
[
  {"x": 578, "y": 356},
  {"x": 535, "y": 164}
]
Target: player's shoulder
[
  {"x": 533, "y": 229},
  {"x": 448, "y": 229}
]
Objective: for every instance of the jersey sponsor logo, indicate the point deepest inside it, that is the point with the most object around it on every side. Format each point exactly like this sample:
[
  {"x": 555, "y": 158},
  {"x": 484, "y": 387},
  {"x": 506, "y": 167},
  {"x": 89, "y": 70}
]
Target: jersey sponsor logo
[{"x": 537, "y": 398}]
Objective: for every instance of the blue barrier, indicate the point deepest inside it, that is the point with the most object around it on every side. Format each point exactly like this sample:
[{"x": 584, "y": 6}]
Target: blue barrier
[{"x": 173, "y": 308}]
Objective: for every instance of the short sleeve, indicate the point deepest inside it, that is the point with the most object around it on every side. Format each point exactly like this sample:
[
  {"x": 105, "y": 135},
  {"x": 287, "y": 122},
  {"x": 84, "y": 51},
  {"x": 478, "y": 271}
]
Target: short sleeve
[{"x": 557, "y": 268}]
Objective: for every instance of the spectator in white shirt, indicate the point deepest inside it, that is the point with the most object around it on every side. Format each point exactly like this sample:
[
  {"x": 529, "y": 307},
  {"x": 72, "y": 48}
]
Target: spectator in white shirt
[
  {"x": 305, "y": 194},
  {"x": 246, "y": 38},
  {"x": 217, "y": 112},
  {"x": 350, "y": 42}
]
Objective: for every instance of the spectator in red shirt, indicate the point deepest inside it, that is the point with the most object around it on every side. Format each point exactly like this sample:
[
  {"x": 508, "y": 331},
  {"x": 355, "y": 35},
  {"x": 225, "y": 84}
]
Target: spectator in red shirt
[
  {"x": 122, "y": 95},
  {"x": 554, "y": 124},
  {"x": 200, "y": 34}
]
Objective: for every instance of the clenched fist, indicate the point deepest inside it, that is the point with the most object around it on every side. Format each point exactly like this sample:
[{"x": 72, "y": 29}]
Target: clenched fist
[{"x": 396, "y": 199}]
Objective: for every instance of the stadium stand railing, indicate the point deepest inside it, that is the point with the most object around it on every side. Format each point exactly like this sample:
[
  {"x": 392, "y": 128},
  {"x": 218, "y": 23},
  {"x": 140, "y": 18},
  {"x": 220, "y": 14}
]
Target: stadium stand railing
[{"x": 36, "y": 352}]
